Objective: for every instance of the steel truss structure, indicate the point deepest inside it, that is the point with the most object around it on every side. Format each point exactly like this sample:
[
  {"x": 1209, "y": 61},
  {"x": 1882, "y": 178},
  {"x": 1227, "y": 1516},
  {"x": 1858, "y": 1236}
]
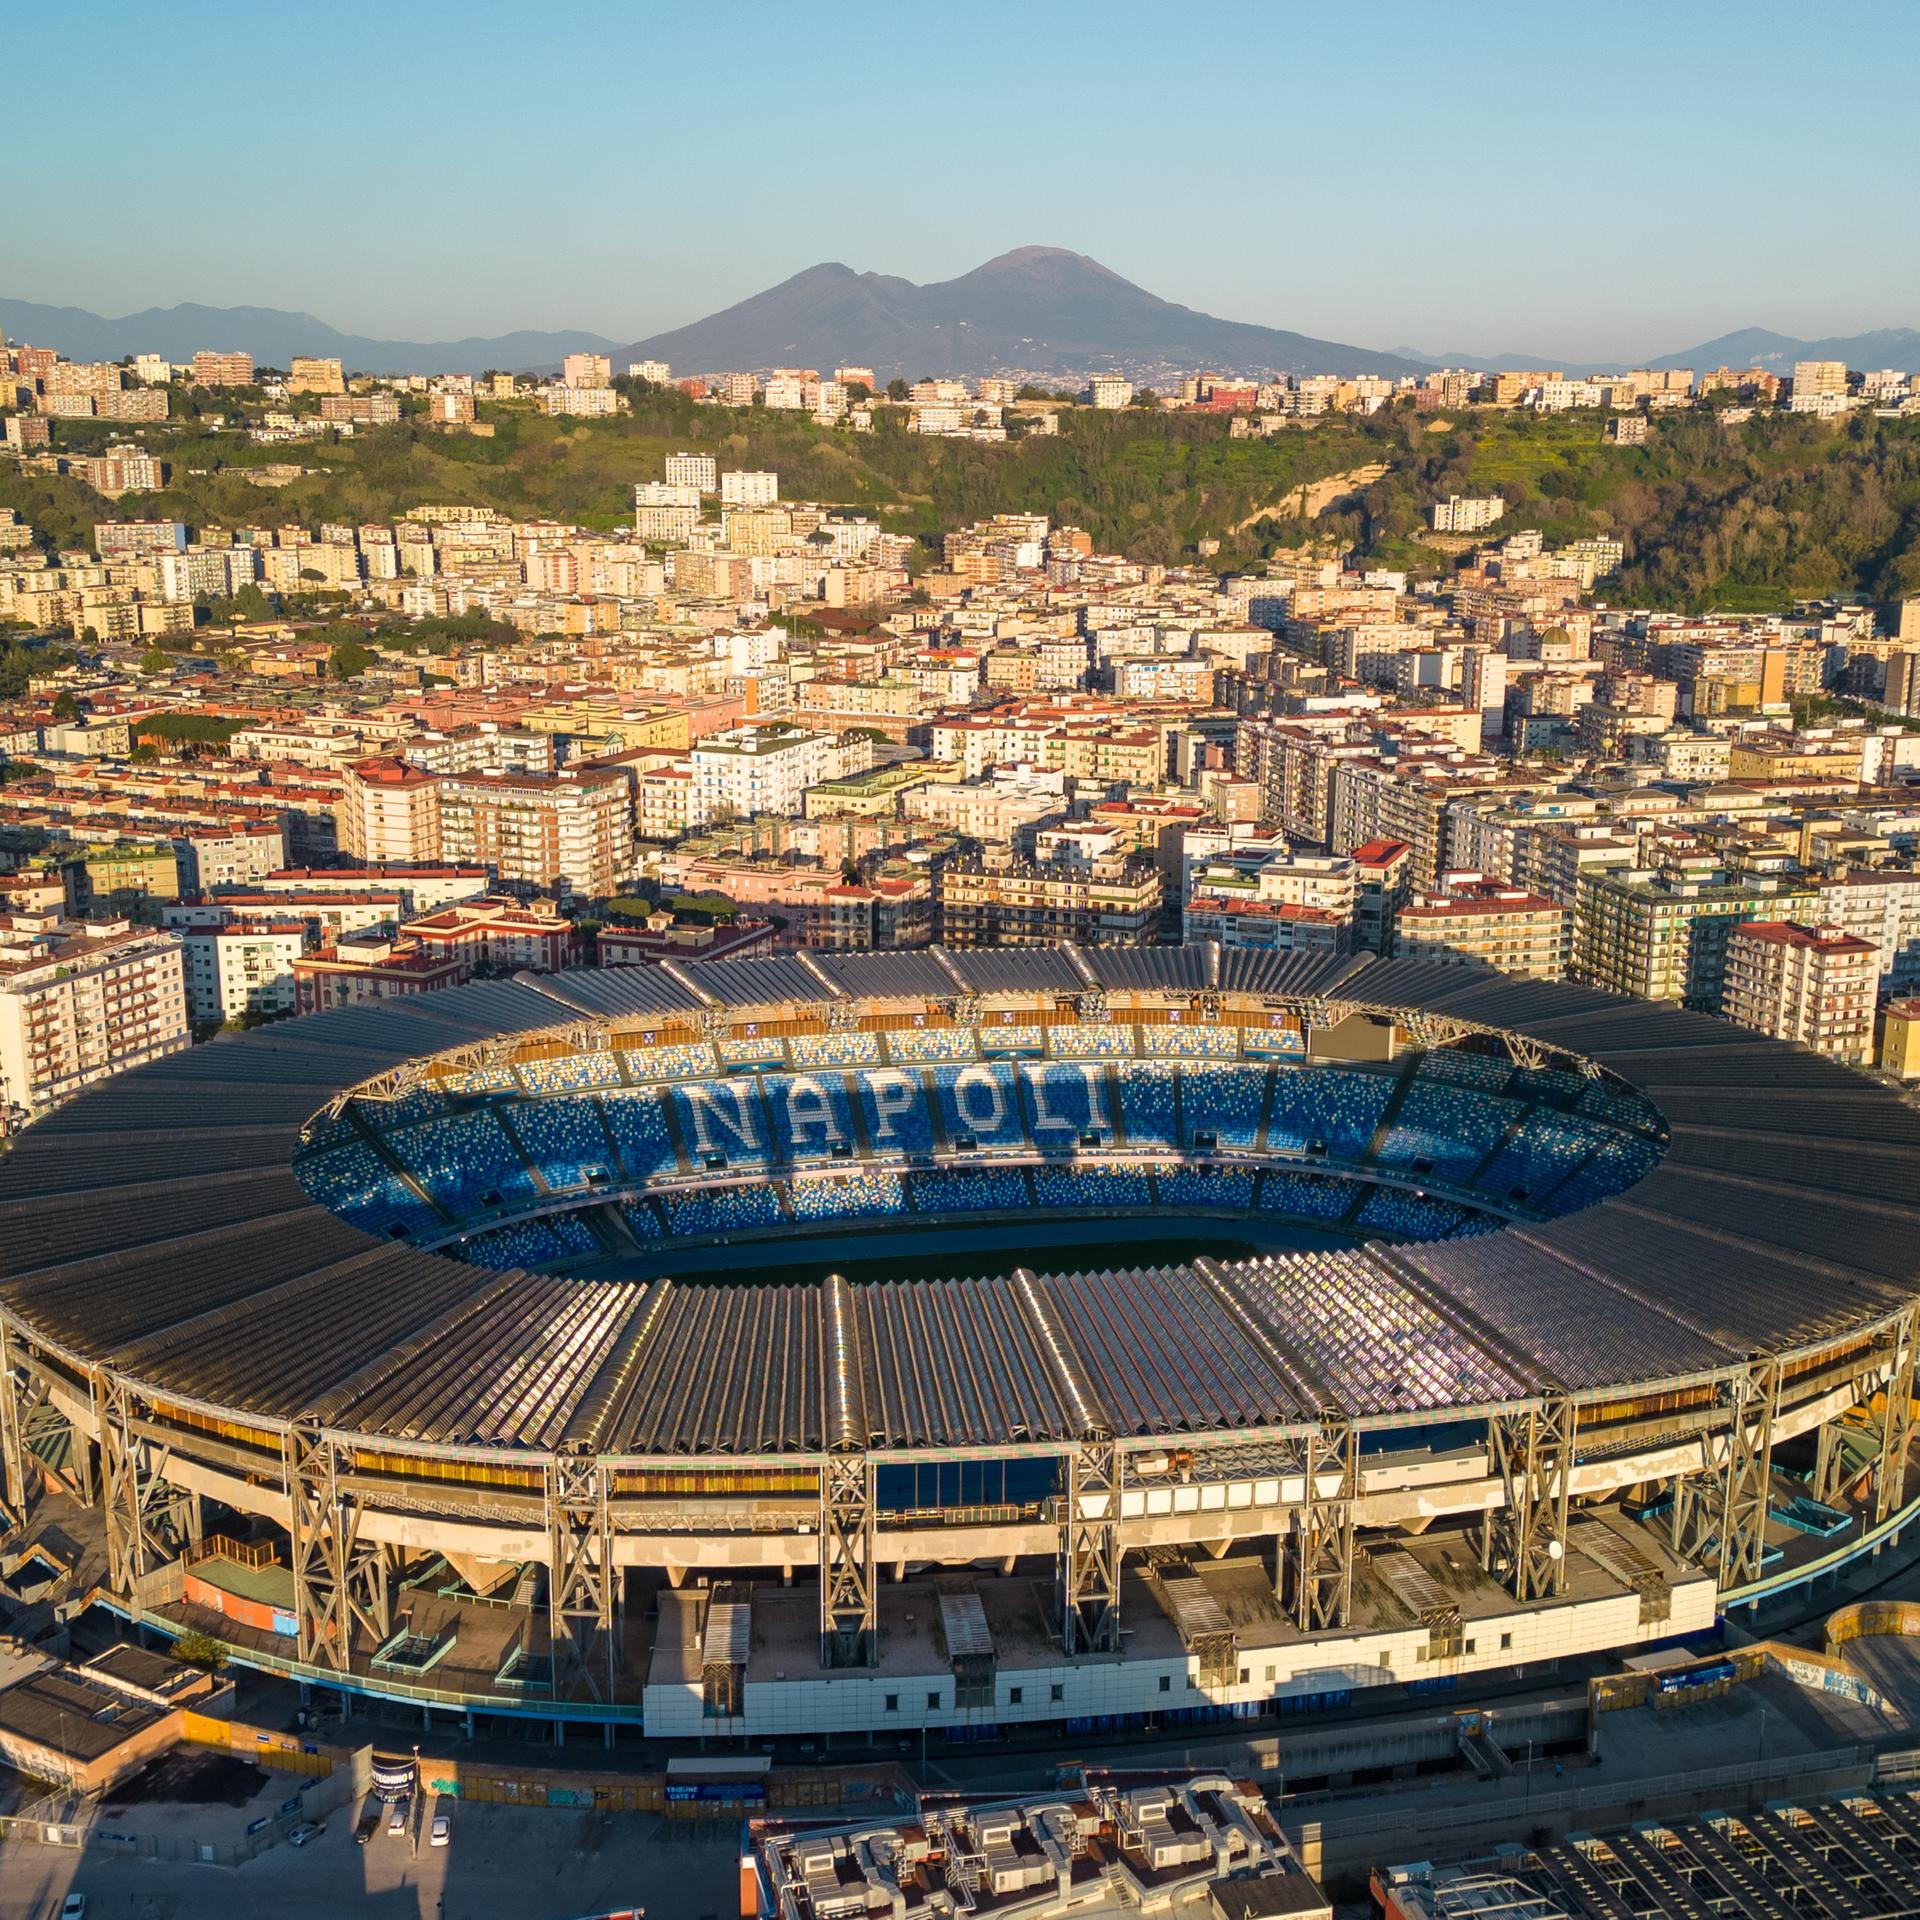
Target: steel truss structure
[
  {"x": 848, "y": 1634},
  {"x": 338, "y": 1579},
  {"x": 1317, "y": 1558},
  {"x": 1524, "y": 1540},
  {"x": 1090, "y": 1547},
  {"x": 149, "y": 1234},
  {"x": 581, "y": 1588}
]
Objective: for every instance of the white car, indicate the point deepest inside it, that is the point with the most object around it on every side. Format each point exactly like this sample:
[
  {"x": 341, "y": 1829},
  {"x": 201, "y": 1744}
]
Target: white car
[
  {"x": 442, "y": 1832},
  {"x": 397, "y": 1819},
  {"x": 74, "y": 1907}
]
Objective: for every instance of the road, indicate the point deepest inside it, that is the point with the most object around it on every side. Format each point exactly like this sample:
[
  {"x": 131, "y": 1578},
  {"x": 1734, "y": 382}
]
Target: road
[{"x": 525, "y": 1863}]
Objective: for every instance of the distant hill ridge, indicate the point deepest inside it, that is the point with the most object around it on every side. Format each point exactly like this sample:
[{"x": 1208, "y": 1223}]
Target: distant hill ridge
[{"x": 1040, "y": 310}]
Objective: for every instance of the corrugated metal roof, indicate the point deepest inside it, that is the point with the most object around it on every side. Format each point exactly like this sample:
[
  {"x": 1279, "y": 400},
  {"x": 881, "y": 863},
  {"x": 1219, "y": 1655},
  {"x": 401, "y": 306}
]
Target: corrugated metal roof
[{"x": 154, "y": 1224}]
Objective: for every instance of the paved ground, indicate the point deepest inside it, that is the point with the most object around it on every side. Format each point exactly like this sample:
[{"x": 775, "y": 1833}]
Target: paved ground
[{"x": 517, "y": 1862}]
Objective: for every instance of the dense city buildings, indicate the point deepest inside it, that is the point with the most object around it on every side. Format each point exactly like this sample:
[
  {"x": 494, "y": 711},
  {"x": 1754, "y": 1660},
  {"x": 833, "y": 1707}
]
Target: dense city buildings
[{"x": 748, "y": 708}]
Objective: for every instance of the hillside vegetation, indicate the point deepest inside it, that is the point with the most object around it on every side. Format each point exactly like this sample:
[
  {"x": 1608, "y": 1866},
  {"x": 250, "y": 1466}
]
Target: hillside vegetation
[{"x": 1750, "y": 516}]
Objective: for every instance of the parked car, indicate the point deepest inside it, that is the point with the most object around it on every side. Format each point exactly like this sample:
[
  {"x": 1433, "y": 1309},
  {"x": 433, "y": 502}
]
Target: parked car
[
  {"x": 305, "y": 1831},
  {"x": 397, "y": 1819},
  {"x": 74, "y": 1907},
  {"x": 368, "y": 1827},
  {"x": 442, "y": 1834}
]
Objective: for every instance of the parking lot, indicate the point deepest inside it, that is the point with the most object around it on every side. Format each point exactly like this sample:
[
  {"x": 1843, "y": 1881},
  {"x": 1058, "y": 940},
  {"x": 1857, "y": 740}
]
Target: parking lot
[{"x": 503, "y": 1863}]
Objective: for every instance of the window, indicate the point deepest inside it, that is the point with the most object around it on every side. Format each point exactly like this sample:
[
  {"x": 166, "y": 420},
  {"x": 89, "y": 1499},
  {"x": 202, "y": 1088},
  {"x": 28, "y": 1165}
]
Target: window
[
  {"x": 1015, "y": 1695},
  {"x": 893, "y": 1703},
  {"x": 1166, "y": 1683},
  {"x": 1056, "y": 1693},
  {"x": 1506, "y": 1641},
  {"x": 933, "y": 1701}
]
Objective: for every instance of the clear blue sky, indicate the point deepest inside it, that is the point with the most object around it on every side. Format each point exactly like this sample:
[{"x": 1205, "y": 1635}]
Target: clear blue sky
[{"x": 1582, "y": 181}]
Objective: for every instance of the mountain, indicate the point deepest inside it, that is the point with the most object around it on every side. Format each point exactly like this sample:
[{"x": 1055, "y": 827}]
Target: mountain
[
  {"x": 273, "y": 337},
  {"x": 1776, "y": 352},
  {"x": 1748, "y": 347},
  {"x": 1036, "y": 310}
]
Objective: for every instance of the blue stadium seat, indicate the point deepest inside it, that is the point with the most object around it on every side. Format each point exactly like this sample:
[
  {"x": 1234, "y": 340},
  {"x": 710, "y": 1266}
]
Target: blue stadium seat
[
  {"x": 1451, "y": 1128},
  {"x": 1209, "y": 1187},
  {"x": 723, "y": 1210},
  {"x": 1337, "y": 1106},
  {"x": 359, "y": 1186},
  {"x": 1146, "y": 1102},
  {"x": 865, "y": 1193},
  {"x": 527, "y": 1243},
  {"x": 969, "y": 1190},
  {"x": 563, "y": 1139},
  {"x": 1222, "y": 1099},
  {"x": 1410, "y": 1215},
  {"x": 1309, "y": 1196},
  {"x": 1091, "y": 1186},
  {"x": 1619, "y": 1160},
  {"x": 981, "y": 1103},
  {"x": 574, "y": 1073},
  {"x": 1065, "y": 1104},
  {"x": 639, "y": 1131},
  {"x": 724, "y": 1120},
  {"x": 1544, "y": 1149},
  {"x": 893, "y": 1104},
  {"x": 809, "y": 1115},
  {"x": 462, "y": 1159}
]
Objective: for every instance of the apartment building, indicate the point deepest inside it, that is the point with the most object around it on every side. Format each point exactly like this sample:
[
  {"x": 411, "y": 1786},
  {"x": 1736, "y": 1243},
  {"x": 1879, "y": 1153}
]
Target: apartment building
[
  {"x": 1109, "y": 391},
  {"x": 79, "y": 1002},
  {"x": 496, "y": 935},
  {"x": 749, "y": 487},
  {"x": 240, "y": 972},
  {"x": 699, "y": 471},
  {"x": 1817, "y": 985},
  {"x": 586, "y": 370},
  {"x": 360, "y": 409},
  {"x": 747, "y": 771},
  {"x": 1661, "y": 936},
  {"x": 1466, "y": 512},
  {"x": 568, "y": 833},
  {"x": 1265, "y": 926},
  {"x": 1001, "y": 901},
  {"x": 1819, "y": 386},
  {"x": 1883, "y": 908},
  {"x": 1471, "y": 917},
  {"x": 388, "y": 811},
  {"x": 222, "y": 369},
  {"x": 310, "y": 375}
]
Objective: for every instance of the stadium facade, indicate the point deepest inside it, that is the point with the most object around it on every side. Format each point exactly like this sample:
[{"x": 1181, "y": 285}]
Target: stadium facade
[{"x": 356, "y": 1340}]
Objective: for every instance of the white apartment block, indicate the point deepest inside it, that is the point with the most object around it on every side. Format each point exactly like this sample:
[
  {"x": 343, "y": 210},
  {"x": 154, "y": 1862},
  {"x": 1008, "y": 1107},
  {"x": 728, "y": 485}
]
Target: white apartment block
[
  {"x": 753, "y": 770},
  {"x": 233, "y": 972},
  {"x": 655, "y": 370},
  {"x": 80, "y": 1002},
  {"x": 590, "y": 403},
  {"x": 749, "y": 487},
  {"x": 700, "y": 471},
  {"x": 1819, "y": 386},
  {"x": 1109, "y": 391},
  {"x": 1466, "y": 512}
]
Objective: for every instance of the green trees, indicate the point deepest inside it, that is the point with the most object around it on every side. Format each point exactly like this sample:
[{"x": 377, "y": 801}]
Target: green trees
[
  {"x": 348, "y": 660},
  {"x": 65, "y": 706}
]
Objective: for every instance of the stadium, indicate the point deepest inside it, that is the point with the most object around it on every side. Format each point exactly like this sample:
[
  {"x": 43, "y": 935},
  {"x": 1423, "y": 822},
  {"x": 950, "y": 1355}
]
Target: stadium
[{"x": 702, "y": 1349}]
